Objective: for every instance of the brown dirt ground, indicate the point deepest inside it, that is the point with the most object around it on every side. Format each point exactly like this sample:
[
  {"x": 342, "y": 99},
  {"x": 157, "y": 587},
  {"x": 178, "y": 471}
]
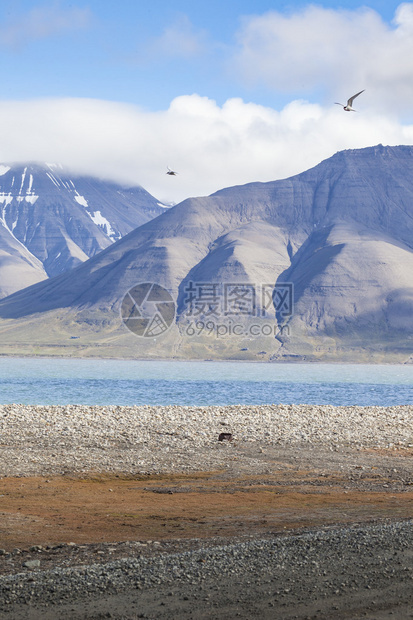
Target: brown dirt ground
[
  {"x": 79, "y": 520},
  {"x": 99, "y": 508}
]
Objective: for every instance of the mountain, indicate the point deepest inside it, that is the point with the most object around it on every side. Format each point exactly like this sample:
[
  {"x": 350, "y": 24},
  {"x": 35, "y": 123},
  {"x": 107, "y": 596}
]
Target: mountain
[
  {"x": 61, "y": 219},
  {"x": 319, "y": 265},
  {"x": 17, "y": 264}
]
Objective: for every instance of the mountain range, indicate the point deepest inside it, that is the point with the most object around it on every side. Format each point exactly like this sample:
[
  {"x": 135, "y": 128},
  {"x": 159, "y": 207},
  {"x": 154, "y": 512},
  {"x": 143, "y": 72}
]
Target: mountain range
[
  {"x": 336, "y": 242},
  {"x": 52, "y": 220}
]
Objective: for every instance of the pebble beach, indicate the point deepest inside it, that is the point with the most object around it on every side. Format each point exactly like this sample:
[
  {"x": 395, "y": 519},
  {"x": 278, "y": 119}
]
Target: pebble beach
[{"x": 146, "y": 439}]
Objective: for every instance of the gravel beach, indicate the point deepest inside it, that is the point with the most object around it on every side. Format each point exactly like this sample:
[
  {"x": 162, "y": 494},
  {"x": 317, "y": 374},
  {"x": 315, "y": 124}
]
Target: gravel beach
[
  {"x": 316, "y": 524},
  {"x": 76, "y": 438}
]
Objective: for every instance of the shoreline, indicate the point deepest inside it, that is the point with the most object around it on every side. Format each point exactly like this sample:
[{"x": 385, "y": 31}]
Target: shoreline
[{"x": 277, "y": 362}]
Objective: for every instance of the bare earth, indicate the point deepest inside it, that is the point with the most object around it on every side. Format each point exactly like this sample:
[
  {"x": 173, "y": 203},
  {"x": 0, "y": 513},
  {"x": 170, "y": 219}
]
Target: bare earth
[
  {"x": 306, "y": 521},
  {"x": 305, "y": 490}
]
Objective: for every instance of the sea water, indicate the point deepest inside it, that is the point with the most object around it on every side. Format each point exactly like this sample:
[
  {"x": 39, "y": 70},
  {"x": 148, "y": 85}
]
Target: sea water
[{"x": 131, "y": 382}]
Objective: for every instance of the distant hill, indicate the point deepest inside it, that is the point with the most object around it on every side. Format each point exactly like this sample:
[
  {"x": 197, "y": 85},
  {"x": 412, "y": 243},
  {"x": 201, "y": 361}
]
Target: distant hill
[
  {"x": 48, "y": 214},
  {"x": 340, "y": 235}
]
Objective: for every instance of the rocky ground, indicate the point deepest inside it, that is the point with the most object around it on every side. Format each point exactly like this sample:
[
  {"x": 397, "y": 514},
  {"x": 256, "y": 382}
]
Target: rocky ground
[{"x": 142, "y": 513}]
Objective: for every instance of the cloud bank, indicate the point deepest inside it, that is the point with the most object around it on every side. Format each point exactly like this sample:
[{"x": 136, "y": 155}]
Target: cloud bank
[{"x": 210, "y": 146}]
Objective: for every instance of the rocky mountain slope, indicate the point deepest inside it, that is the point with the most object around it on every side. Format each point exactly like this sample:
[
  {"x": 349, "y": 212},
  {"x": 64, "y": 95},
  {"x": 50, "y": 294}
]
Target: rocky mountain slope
[
  {"x": 337, "y": 238},
  {"x": 61, "y": 220},
  {"x": 17, "y": 264}
]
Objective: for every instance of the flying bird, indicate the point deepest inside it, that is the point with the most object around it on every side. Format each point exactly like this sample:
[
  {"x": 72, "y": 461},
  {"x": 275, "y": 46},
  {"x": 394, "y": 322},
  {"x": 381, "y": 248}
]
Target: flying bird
[
  {"x": 171, "y": 172},
  {"x": 349, "y": 106}
]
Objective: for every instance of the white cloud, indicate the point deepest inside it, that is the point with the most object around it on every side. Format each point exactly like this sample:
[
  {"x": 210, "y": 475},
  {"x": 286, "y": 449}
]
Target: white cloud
[
  {"x": 210, "y": 146},
  {"x": 42, "y": 22},
  {"x": 339, "y": 51}
]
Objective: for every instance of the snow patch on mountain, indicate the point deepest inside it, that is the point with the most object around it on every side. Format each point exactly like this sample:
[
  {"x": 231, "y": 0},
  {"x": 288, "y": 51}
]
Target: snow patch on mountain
[
  {"x": 5, "y": 198},
  {"x": 54, "y": 166},
  {"x": 4, "y": 169},
  {"x": 101, "y": 221},
  {"x": 53, "y": 179},
  {"x": 32, "y": 199},
  {"x": 81, "y": 200},
  {"x": 23, "y": 177}
]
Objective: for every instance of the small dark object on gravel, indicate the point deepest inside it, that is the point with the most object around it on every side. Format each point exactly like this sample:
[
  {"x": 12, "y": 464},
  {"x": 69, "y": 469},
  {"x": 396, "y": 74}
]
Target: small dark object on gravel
[{"x": 227, "y": 436}]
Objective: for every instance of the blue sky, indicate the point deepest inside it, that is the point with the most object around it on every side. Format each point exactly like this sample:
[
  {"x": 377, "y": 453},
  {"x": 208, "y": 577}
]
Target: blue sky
[
  {"x": 132, "y": 50},
  {"x": 228, "y": 91}
]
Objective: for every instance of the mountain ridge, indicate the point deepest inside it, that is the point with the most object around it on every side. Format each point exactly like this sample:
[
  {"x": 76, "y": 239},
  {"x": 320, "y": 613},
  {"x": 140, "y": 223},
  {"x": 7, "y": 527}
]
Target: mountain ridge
[
  {"x": 64, "y": 219},
  {"x": 340, "y": 234}
]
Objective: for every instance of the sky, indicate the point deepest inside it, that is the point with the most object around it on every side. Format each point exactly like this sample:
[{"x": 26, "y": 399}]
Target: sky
[{"x": 225, "y": 92}]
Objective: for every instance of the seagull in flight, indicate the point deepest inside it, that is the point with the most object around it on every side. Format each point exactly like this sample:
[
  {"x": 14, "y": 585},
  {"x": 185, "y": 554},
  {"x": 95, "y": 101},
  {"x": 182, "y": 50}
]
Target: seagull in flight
[
  {"x": 349, "y": 106},
  {"x": 171, "y": 172}
]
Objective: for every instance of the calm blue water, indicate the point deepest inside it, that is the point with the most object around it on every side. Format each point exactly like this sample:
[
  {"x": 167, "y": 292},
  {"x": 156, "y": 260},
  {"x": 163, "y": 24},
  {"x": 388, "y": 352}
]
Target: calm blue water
[{"x": 125, "y": 382}]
